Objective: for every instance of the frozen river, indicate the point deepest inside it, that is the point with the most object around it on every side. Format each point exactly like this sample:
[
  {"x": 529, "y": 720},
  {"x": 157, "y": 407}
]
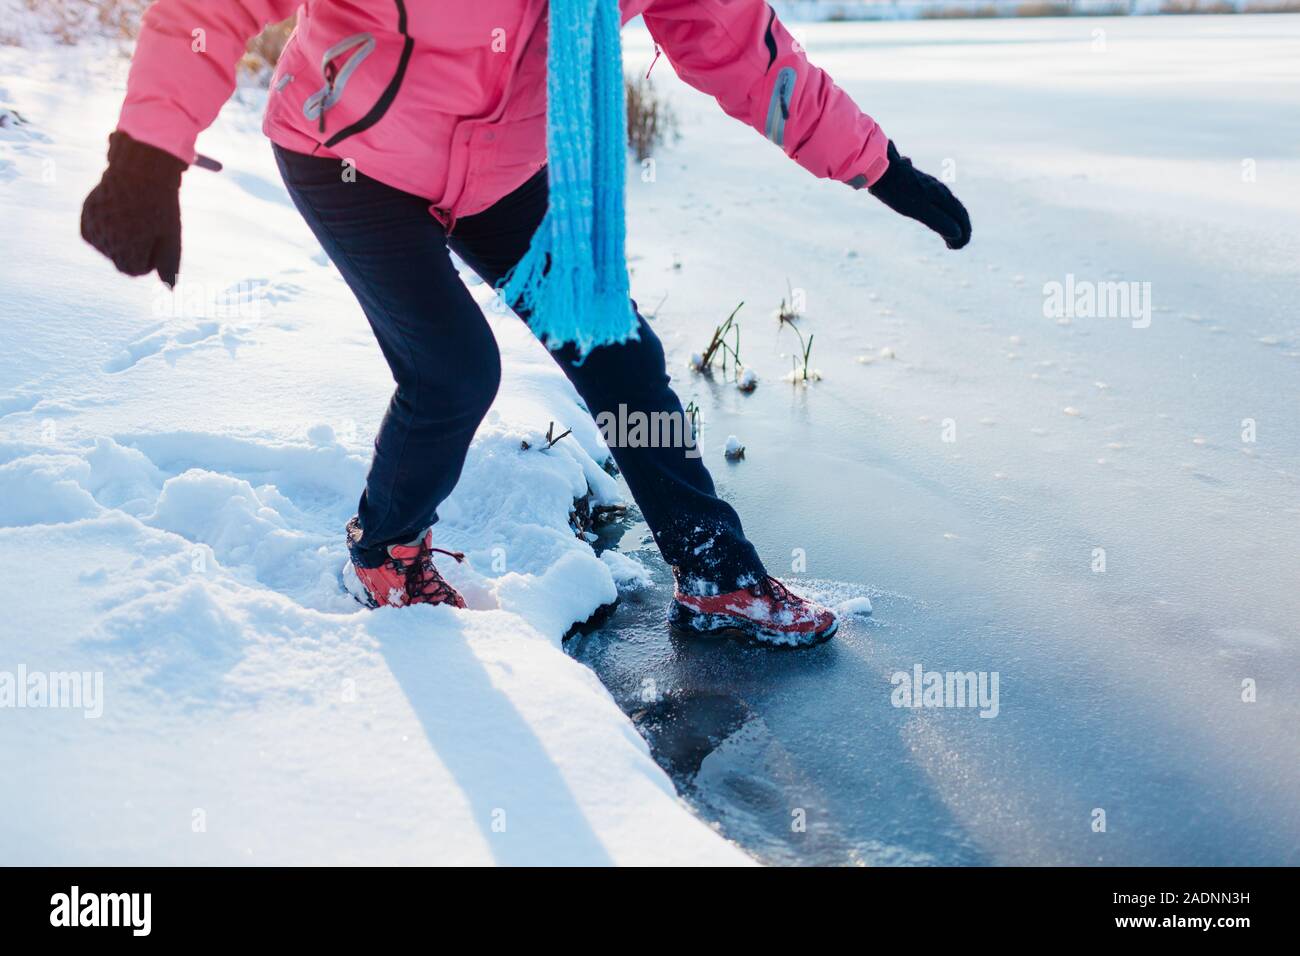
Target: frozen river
[{"x": 1097, "y": 504}]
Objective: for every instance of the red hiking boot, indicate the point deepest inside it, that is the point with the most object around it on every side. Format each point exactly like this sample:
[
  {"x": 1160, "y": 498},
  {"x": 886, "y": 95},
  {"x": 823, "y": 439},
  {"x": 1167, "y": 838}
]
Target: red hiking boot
[
  {"x": 768, "y": 612},
  {"x": 399, "y": 574}
]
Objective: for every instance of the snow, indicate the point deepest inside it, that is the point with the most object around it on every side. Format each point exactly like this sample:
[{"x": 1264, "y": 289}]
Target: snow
[
  {"x": 857, "y": 605},
  {"x": 628, "y": 572},
  {"x": 175, "y": 474}
]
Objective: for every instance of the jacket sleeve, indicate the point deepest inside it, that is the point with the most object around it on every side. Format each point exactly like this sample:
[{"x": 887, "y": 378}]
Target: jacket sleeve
[
  {"x": 183, "y": 69},
  {"x": 739, "y": 52}
]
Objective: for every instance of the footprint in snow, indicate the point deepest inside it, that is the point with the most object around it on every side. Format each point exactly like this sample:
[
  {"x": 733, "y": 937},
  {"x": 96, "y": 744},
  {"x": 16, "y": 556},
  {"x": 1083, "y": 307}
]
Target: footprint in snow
[{"x": 162, "y": 341}]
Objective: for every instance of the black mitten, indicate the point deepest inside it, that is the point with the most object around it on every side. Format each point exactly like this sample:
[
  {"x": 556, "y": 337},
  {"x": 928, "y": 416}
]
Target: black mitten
[
  {"x": 917, "y": 195},
  {"x": 134, "y": 215}
]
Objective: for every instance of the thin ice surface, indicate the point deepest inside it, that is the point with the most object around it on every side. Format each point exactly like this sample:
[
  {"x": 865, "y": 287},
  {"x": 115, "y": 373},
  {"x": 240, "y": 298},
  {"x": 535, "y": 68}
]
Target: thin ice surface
[{"x": 1158, "y": 150}]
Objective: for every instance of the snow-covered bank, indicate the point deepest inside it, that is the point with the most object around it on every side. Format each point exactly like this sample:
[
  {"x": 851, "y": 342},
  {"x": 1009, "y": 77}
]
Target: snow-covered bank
[{"x": 175, "y": 472}]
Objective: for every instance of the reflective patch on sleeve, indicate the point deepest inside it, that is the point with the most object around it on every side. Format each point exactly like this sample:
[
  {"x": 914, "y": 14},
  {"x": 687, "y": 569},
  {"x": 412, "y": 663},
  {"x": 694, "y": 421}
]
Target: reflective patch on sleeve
[{"x": 778, "y": 109}]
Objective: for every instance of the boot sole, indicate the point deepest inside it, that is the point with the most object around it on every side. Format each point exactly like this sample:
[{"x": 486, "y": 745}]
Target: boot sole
[{"x": 724, "y": 625}]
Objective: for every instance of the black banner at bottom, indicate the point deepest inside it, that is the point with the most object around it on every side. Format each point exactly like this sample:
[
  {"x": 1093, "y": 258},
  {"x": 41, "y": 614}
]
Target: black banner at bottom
[{"x": 337, "y": 906}]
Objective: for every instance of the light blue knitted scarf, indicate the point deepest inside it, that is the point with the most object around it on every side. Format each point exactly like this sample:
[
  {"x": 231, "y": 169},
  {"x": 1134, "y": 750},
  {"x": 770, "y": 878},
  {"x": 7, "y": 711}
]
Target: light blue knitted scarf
[{"x": 573, "y": 280}]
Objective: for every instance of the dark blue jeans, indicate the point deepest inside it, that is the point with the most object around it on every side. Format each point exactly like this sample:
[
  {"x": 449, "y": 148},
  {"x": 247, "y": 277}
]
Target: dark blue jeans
[{"x": 394, "y": 256}]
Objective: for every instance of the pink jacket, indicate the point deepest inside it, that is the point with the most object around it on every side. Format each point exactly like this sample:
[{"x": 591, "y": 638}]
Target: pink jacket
[{"x": 447, "y": 100}]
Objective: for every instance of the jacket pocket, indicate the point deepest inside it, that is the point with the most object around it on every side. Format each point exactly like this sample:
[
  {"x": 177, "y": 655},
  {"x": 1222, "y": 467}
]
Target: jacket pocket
[{"x": 339, "y": 65}]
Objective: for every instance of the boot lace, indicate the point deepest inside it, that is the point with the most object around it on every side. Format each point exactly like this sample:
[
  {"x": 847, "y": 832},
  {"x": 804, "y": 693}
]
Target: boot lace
[
  {"x": 422, "y": 578},
  {"x": 774, "y": 589}
]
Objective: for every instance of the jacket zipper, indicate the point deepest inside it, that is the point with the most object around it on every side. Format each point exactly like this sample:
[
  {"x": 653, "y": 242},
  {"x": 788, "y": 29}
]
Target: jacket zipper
[{"x": 352, "y": 51}]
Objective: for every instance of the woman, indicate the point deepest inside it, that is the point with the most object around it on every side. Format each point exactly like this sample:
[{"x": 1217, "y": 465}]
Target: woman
[{"x": 403, "y": 133}]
